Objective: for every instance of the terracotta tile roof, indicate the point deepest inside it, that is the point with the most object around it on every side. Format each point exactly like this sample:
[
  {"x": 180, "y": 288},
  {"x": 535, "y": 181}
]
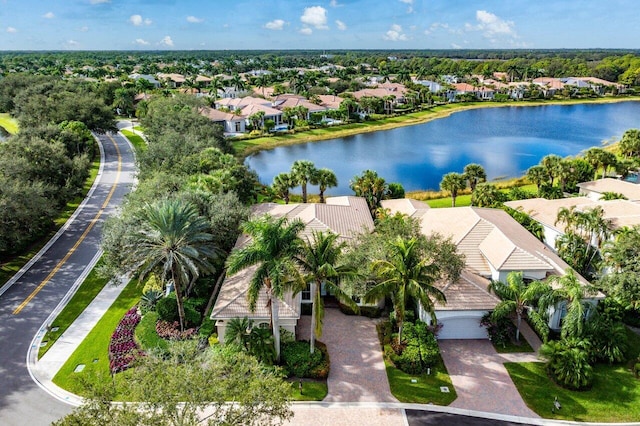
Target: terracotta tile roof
[
  {"x": 217, "y": 115},
  {"x": 235, "y": 103},
  {"x": 330, "y": 101},
  {"x": 254, "y": 108},
  {"x": 469, "y": 293},
  {"x": 628, "y": 189}
]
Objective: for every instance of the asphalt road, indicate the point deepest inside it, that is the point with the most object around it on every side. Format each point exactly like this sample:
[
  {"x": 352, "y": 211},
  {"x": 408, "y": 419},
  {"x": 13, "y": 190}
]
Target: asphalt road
[
  {"x": 428, "y": 418},
  {"x": 26, "y": 305}
]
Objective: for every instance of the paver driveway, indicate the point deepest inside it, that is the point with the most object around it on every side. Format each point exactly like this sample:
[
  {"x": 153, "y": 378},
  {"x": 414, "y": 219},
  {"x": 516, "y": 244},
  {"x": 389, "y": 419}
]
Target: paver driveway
[
  {"x": 357, "y": 369},
  {"x": 480, "y": 379}
]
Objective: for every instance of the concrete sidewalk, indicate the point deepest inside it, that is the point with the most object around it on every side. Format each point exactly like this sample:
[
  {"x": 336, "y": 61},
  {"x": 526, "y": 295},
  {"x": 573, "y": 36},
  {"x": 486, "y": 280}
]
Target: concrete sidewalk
[{"x": 43, "y": 370}]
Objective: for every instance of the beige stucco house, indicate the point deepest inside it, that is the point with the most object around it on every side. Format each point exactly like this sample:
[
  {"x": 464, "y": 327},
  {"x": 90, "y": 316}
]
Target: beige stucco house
[{"x": 344, "y": 216}]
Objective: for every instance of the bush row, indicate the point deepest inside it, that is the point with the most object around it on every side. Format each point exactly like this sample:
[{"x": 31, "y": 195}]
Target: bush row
[
  {"x": 123, "y": 350},
  {"x": 298, "y": 361}
]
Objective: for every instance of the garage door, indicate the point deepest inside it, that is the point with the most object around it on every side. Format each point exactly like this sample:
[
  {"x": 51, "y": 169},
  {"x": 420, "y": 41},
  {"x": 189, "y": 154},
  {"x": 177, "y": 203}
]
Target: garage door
[{"x": 462, "y": 328}]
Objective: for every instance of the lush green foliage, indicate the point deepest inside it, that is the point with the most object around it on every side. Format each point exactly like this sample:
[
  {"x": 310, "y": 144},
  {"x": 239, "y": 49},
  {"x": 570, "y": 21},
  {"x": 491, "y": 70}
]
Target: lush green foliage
[
  {"x": 147, "y": 337},
  {"x": 568, "y": 362},
  {"x": 299, "y": 362},
  {"x": 419, "y": 351}
]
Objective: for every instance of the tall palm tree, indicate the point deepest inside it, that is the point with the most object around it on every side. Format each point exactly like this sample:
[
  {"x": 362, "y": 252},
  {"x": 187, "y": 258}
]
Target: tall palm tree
[
  {"x": 454, "y": 183},
  {"x": 371, "y": 187},
  {"x": 474, "y": 174},
  {"x": 517, "y": 297},
  {"x": 324, "y": 178},
  {"x": 407, "y": 274},
  {"x": 215, "y": 84},
  {"x": 282, "y": 184},
  {"x": 551, "y": 165},
  {"x": 173, "y": 242},
  {"x": 302, "y": 172},
  {"x": 319, "y": 261},
  {"x": 537, "y": 175},
  {"x": 274, "y": 245}
]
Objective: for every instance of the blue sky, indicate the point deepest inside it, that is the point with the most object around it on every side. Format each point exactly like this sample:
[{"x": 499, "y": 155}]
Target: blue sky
[{"x": 328, "y": 24}]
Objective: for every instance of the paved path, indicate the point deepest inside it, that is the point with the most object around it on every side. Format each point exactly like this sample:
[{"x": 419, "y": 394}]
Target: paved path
[
  {"x": 357, "y": 369},
  {"x": 480, "y": 379}
]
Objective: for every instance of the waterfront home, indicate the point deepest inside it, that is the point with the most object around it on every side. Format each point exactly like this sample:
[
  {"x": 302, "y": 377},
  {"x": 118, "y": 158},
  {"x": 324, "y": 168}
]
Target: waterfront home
[
  {"x": 620, "y": 213},
  {"x": 344, "y": 216},
  {"x": 493, "y": 245},
  {"x": 595, "y": 189},
  {"x": 231, "y": 123}
]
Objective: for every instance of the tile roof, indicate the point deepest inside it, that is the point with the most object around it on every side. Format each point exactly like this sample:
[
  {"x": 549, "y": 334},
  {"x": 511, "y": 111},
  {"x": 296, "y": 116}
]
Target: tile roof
[
  {"x": 468, "y": 293},
  {"x": 628, "y": 189},
  {"x": 346, "y": 216},
  {"x": 406, "y": 206}
]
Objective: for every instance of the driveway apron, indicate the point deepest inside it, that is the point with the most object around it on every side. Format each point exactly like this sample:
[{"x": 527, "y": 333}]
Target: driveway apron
[
  {"x": 357, "y": 368},
  {"x": 480, "y": 379}
]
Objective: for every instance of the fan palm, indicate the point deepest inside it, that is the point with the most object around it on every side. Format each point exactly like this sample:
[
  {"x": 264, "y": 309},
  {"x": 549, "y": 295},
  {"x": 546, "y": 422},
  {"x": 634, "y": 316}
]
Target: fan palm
[
  {"x": 303, "y": 172},
  {"x": 324, "y": 178},
  {"x": 517, "y": 297},
  {"x": 474, "y": 174},
  {"x": 273, "y": 247},
  {"x": 173, "y": 242},
  {"x": 406, "y": 275},
  {"x": 319, "y": 261},
  {"x": 282, "y": 184},
  {"x": 454, "y": 183}
]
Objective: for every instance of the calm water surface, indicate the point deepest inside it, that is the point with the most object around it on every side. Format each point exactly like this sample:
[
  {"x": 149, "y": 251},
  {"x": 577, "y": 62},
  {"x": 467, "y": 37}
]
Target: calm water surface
[{"x": 506, "y": 141}]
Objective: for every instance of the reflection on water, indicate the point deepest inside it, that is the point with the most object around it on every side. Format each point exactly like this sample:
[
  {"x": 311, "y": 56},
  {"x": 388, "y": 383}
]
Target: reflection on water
[{"x": 506, "y": 141}]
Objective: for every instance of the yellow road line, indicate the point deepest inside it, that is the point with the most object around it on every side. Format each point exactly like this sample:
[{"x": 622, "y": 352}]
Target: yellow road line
[{"x": 80, "y": 240}]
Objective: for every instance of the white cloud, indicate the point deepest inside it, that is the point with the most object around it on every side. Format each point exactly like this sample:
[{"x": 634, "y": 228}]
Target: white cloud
[
  {"x": 315, "y": 16},
  {"x": 83, "y": 29},
  {"x": 334, "y": 3},
  {"x": 341, "y": 25},
  {"x": 72, "y": 43},
  {"x": 194, "y": 20},
  {"x": 11, "y": 30},
  {"x": 435, "y": 27},
  {"x": 99, "y": 1},
  {"x": 166, "y": 41},
  {"x": 306, "y": 31},
  {"x": 395, "y": 34},
  {"x": 276, "y": 25},
  {"x": 49, "y": 15},
  {"x": 455, "y": 46},
  {"x": 138, "y": 21},
  {"x": 491, "y": 25},
  {"x": 409, "y": 4},
  {"x": 141, "y": 42}
]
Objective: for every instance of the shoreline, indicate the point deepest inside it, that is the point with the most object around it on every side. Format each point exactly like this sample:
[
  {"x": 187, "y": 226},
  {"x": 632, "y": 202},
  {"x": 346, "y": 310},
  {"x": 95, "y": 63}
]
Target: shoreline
[{"x": 252, "y": 146}]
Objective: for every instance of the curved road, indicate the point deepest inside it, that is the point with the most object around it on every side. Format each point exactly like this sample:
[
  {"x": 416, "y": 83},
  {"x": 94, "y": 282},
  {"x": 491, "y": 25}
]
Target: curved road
[{"x": 28, "y": 302}]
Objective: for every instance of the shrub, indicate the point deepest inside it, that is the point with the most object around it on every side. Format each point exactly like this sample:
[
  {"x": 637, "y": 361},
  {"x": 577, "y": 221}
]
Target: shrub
[
  {"x": 192, "y": 317},
  {"x": 149, "y": 300},
  {"x": 207, "y": 328},
  {"x": 297, "y": 359},
  {"x": 146, "y": 334},
  {"x": 501, "y": 331},
  {"x": 365, "y": 311},
  {"x": 321, "y": 371},
  {"x": 568, "y": 363},
  {"x": 171, "y": 331},
  {"x": 419, "y": 350},
  {"x": 167, "y": 308}
]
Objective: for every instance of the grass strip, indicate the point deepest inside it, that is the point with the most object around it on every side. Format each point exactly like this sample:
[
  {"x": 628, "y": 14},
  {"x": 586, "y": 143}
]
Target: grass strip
[
  {"x": 138, "y": 142},
  {"x": 87, "y": 291},
  {"x": 513, "y": 348},
  {"x": 93, "y": 351},
  {"x": 13, "y": 264},
  {"x": 9, "y": 123},
  {"x": 311, "y": 390},
  {"x": 421, "y": 389}
]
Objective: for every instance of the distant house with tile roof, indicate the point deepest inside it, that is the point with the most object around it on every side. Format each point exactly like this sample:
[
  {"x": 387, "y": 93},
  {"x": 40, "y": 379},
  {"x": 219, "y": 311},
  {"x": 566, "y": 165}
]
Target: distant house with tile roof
[
  {"x": 596, "y": 188},
  {"x": 344, "y": 216},
  {"x": 231, "y": 123}
]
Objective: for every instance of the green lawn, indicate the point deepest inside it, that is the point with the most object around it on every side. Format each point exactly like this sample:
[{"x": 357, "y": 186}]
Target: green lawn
[
  {"x": 136, "y": 140},
  {"x": 425, "y": 390},
  {"x": 8, "y": 123},
  {"x": 87, "y": 291},
  {"x": 461, "y": 201},
  {"x": 614, "y": 397},
  {"x": 311, "y": 391},
  {"x": 92, "y": 352},
  {"x": 13, "y": 264},
  {"x": 511, "y": 347}
]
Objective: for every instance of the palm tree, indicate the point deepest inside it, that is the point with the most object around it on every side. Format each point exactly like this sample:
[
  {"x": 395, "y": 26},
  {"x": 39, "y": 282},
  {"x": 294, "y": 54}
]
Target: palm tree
[
  {"x": 173, "y": 242},
  {"x": 319, "y": 261},
  {"x": 474, "y": 174},
  {"x": 215, "y": 84},
  {"x": 371, "y": 187},
  {"x": 551, "y": 165},
  {"x": 517, "y": 297},
  {"x": 487, "y": 195},
  {"x": 273, "y": 247},
  {"x": 537, "y": 175},
  {"x": 281, "y": 185},
  {"x": 453, "y": 182},
  {"x": 237, "y": 82},
  {"x": 407, "y": 274},
  {"x": 567, "y": 288},
  {"x": 303, "y": 171},
  {"x": 324, "y": 178}
]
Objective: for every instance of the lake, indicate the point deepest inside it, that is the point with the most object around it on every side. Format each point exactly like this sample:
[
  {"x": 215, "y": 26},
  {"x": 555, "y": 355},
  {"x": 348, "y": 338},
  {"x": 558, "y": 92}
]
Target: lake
[{"x": 505, "y": 141}]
